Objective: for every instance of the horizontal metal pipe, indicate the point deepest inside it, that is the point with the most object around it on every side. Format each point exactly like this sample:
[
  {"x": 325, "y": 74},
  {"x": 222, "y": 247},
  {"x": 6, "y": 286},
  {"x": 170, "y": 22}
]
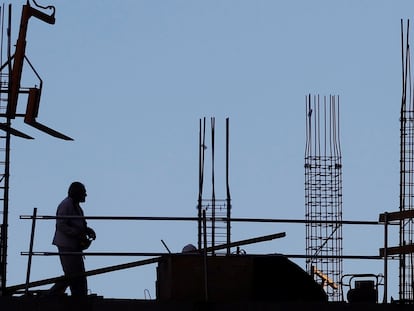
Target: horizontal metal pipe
[
  {"x": 259, "y": 220},
  {"x": 209, "y": 249},
  {"x": 144, "y": 254},
  {"x": 120, "y": 254}
]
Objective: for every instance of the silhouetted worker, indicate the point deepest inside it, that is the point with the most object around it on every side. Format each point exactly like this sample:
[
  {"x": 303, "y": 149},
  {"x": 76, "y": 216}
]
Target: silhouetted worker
[{"x": 72, "y": 235}]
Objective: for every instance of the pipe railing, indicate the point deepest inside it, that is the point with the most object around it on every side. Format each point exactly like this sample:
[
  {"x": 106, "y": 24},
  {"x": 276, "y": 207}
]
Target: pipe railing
[{"x": 204, "y": 251}]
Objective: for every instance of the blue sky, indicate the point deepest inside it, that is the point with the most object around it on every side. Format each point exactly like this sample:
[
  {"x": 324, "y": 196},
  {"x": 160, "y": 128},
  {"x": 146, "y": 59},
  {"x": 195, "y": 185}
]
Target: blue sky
[{"x": 129, "y": 81}]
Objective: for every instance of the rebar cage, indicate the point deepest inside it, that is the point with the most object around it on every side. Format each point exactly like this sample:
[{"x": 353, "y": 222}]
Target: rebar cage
[{"x": 323, "y": 193}]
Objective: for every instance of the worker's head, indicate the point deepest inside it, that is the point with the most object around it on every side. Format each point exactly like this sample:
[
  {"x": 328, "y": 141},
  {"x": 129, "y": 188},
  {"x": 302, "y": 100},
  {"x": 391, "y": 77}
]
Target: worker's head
[
  {"x": 77, "y": 191},
  {"x": 189, "y": 248}
]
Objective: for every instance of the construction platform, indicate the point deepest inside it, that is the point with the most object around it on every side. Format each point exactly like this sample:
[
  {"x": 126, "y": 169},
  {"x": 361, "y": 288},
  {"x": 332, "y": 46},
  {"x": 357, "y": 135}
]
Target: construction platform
[
  {"x": 198, "y": 282},
  {"x": 94, "y": 303}
]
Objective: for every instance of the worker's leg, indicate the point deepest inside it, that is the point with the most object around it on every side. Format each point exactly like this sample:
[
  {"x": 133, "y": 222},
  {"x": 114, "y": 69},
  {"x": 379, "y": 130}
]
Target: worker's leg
[{"x": 73, "y": 265}]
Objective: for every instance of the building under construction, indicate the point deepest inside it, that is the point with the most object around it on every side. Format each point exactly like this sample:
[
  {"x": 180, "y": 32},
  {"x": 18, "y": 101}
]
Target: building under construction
[{"x": 215, "y": 274}]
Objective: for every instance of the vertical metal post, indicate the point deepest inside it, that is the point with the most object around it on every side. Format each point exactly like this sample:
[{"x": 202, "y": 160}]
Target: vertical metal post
[
  {"x": 205, "y": 257},
  {"x": 29, "y": 260},
  {"x": 228, "y": 227},
  {"x": 201, "y": 148},
  {"x": 200, "y": 188},
  {"x": 385, "y": 298},
  {"x": 213, "y": 191}
]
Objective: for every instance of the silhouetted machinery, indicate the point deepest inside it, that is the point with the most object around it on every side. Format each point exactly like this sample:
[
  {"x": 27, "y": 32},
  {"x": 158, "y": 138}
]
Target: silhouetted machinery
[
  {"x": 15, "y": 66},
  {"x": 362, "y": 287},
  {"x": 364, "y": 291},
  {"x": 194, "y": 277}
]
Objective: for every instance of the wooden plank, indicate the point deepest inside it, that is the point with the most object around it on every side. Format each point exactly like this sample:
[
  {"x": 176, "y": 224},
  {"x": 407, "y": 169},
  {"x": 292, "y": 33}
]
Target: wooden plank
[
  {"x": 396, "y": 215},
  {"x": 397, "y": 250}
]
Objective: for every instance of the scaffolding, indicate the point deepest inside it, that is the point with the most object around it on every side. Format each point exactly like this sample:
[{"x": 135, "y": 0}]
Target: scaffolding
[
  {"x": 4, "y": 163},
  {"x": 323, "y": 193}
]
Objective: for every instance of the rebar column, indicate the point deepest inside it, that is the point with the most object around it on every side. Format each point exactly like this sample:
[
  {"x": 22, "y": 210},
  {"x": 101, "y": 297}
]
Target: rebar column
[
  {"x": 323, "y": 193},
  {"x": 406, "y": 262},
  {"x": 217, "y": 211}
]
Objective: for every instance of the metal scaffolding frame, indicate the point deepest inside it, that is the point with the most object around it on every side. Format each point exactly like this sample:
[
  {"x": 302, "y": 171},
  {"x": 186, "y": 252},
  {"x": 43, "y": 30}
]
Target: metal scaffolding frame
[{"x": 323, "y": 193}]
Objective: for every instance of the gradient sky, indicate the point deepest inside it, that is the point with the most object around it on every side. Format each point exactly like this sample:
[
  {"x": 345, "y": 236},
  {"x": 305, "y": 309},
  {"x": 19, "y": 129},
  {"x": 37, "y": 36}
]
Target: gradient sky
[{"x": 129, "y": 81}]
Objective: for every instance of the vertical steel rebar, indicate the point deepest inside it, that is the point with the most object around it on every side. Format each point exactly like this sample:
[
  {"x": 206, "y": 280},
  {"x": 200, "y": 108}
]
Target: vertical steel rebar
[
  {"x": 217, "y": 210},
  {"x": 213, "y": 186},
  {"x": 201, "y": 148}
]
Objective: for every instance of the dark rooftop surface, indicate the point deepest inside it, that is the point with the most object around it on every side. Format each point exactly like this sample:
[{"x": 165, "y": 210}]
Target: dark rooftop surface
[{"x": 94, "y": 303}]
